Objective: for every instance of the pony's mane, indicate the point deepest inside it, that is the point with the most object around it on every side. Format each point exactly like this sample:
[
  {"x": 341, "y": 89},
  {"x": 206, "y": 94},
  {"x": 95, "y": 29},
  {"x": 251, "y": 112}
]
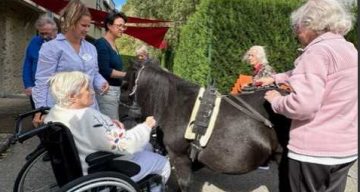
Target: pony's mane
[{"x": 158, "y": 89}]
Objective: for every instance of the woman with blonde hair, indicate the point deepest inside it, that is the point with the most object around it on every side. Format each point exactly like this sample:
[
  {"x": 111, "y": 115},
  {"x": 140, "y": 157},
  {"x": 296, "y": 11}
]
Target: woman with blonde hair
[
  {"x": 323, "y": 105},
  {"x": 69, "y": 51}
]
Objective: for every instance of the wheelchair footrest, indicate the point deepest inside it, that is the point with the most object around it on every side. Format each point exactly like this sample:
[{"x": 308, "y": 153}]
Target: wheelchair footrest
[{"x": 149, "y": 181}]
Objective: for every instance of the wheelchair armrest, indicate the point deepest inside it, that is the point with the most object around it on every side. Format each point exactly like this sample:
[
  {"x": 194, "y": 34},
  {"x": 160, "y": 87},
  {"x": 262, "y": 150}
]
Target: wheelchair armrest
[{"x": 100, "y": 157}]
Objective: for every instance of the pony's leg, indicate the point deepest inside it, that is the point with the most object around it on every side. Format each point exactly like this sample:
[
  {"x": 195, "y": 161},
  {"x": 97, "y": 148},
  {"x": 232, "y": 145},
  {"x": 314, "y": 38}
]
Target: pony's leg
[{"x": 182, "y": 166}]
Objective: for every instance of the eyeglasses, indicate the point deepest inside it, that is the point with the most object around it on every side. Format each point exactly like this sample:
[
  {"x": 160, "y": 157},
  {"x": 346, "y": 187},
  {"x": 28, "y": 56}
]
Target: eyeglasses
[{"x": 121, "y": 26}]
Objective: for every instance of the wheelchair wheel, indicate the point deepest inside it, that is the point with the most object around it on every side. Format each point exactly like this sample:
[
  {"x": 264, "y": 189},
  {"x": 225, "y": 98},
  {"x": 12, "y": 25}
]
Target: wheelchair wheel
[
  {"x": 101, "y": 181},
  {"x": 36, "y": 175}
]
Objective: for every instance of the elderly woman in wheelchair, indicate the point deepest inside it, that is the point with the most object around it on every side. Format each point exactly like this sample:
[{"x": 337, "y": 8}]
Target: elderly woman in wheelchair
[{"x": 93, "y": 131}]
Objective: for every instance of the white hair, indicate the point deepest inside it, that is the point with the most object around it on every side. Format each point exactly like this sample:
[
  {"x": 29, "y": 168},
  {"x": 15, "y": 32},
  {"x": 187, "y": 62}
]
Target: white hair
[
  {"x": 44, "y": 20},
  {"x": 260, "y": 54},
  {"x": 323, "y": 16},
  {"x": 63, "y": 85},
  {"x": 142, "y": 50}
]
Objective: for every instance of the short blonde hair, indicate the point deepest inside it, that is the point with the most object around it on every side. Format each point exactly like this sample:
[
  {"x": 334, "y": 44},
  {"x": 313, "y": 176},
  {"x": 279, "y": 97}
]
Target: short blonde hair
[
  {"x": 323, "y": 16},
  {"x": 260, "y": 54},
  {"x": 63, "y": 85},
  {"x": 72, "y": 14}
]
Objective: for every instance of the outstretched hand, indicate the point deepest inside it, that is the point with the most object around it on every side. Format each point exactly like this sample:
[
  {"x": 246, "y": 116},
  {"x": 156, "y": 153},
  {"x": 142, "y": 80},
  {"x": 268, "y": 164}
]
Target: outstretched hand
[
  {"x": 150, "y": 121},
  {"x": 264, "y": 81},
  {"x": 118, "y": 123},
  {"x": 271, "y": 95}
]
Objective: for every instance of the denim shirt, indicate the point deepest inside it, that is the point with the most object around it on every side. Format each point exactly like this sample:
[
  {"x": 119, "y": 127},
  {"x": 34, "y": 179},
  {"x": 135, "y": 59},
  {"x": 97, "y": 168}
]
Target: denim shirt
[{"x": 58, "y": 55}]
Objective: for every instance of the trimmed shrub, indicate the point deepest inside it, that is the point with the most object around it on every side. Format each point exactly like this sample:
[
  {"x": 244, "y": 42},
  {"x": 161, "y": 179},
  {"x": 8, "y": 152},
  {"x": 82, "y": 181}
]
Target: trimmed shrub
[
  {"x": 216, "y": 37},
  {"x": 126, "y": 59}
]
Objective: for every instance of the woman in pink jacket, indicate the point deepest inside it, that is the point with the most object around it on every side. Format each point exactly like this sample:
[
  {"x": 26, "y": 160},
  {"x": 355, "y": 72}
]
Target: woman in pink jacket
[{"x": 323, "y": 104}]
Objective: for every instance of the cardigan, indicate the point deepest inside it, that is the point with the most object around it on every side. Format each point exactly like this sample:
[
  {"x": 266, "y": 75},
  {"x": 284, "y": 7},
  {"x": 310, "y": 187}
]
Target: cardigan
[
  {"x": 108, "y": 59},
  {"x": 324, "y": 103},
  {"x": 92, "y": 131}
]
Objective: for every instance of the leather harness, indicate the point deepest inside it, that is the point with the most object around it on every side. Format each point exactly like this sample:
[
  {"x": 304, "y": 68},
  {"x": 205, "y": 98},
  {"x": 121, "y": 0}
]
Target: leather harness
[{"x": 204, "y": 113}]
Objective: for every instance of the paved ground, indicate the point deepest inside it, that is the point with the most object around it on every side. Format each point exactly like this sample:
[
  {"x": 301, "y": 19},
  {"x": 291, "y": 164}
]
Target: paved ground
[{"x": 205, "y": 180}]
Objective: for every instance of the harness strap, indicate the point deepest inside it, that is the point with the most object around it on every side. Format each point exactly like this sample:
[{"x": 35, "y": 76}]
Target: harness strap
[
  {"x": 247, "y": 109},
  {"x": 136, "y": 81}
]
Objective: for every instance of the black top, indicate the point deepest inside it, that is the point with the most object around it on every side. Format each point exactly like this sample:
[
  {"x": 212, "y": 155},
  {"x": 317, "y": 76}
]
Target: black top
[{"x": 108, "y": 59}]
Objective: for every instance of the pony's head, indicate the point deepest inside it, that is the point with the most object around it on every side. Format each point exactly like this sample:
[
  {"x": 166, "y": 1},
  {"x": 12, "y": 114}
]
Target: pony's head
[
  {"x": 142, "y": 77},
  {"x": 132, "y": 74}
]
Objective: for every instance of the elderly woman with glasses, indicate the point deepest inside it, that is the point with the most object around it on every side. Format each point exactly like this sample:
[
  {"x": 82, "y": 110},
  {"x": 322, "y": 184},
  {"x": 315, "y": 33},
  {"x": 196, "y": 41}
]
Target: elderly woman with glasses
[
  {"x": 94, "y": 131},
  {"x": 110, "y": 63},
  {"x": 324, "y": 103}
]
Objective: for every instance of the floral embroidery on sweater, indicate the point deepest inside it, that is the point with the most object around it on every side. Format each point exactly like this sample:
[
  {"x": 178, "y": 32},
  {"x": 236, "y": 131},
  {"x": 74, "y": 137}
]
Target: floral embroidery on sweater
[{"x": 115, "y": 135}]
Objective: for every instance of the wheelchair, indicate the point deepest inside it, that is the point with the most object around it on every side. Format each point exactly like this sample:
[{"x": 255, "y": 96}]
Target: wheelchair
[{"x": 63, "y": 171}]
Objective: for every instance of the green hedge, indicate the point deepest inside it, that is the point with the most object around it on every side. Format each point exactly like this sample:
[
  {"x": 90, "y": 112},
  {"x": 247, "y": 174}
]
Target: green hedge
[
  {"x": 215, "y": 38},
  {"x": 126, "y": 60}
]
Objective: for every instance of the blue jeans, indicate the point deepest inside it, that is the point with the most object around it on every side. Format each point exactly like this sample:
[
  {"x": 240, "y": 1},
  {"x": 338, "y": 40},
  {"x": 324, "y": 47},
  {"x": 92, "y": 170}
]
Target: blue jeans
[{"x": 109, "y": 102}]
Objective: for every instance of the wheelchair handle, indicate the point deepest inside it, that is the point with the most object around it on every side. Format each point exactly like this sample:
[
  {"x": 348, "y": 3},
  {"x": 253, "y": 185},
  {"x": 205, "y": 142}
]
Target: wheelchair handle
[
  {"x": 23, "y": 137},
  {"x": 43, "y": 110},
  {"x": 19, "y": 119}
]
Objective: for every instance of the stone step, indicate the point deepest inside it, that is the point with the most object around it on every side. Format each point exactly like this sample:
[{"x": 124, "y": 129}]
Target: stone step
[{"x": 5, "y": 139}]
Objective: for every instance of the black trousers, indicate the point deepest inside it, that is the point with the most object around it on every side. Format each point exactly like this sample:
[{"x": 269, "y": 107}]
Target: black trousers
[
  {"x": 311, "y": 177},
  {"x": 32, "y": 102}
]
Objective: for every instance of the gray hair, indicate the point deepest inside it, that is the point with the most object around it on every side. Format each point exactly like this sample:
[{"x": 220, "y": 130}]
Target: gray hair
[
  {"x": 260, "y": 54},
  {"x": 44, "y": 20},
  {"x": 63, "y": 85},
  {"x": 323, "y": 16},
  {"x": 142, "y": 50}
]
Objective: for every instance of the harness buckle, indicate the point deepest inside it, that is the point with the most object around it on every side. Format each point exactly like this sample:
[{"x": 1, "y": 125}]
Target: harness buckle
[{"x": 194, "y": 150}]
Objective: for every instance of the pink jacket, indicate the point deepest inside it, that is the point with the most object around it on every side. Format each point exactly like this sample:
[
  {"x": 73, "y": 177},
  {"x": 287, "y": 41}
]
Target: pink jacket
[{"x": 324, "y": 103}]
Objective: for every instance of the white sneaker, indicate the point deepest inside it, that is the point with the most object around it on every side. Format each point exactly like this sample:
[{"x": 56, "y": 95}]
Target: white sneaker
[{"x": 264, "y": 167}]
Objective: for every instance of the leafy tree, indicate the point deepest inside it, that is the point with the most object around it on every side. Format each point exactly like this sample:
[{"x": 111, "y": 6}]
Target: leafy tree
[{"x": 176, "y": 11}]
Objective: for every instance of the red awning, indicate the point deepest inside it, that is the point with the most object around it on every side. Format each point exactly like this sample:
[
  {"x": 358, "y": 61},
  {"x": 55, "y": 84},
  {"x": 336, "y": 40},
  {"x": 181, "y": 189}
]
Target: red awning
[
  {"x": 151, "y": 35},
  {"x": 99, "y": 16}
]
